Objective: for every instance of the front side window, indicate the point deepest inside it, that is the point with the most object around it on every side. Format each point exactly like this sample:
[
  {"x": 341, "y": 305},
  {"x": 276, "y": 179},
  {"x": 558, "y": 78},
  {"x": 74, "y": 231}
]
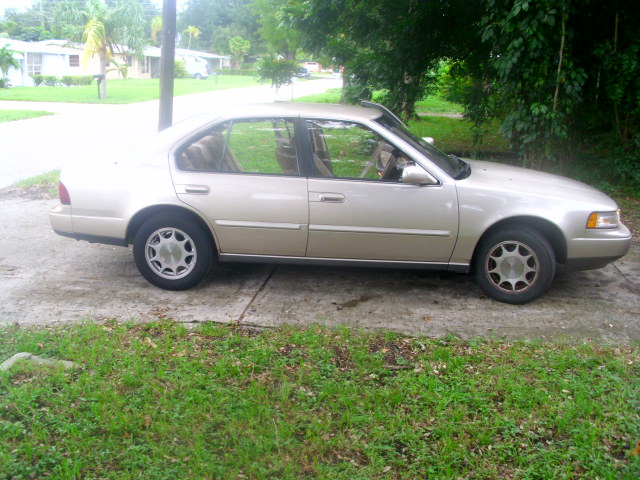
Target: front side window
[
  {"x": 351, "y": 151},
  {"x": 244, "y": 146},
  {"x": 74, "y": 60}
]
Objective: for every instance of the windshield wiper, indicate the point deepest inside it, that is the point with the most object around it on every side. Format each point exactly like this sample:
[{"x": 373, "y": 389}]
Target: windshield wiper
[{"x": 465, "y": 168}]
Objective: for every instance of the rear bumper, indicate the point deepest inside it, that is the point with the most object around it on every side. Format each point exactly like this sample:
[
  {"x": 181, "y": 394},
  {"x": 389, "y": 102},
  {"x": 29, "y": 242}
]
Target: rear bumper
[
  {"x": 62, "y": 223},
  {"x": 119, "y": 242}
]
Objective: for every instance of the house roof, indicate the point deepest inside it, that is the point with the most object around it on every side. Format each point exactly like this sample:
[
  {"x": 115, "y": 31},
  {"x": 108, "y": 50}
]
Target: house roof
[
  {"x": 51, "y": 47},
  {"x": 64, "y": 47}
]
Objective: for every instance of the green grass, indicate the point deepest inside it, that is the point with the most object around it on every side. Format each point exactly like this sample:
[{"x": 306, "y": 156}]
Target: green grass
[
  {"x": 124, "y": 91},
  {"x": 160, "y": 401},
  {"x": 12, "y": 115},
  {"x": 455, "y": 135}
]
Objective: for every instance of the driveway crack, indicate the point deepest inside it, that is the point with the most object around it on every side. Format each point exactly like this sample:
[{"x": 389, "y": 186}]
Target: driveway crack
[{"x": 256, "y": 295}]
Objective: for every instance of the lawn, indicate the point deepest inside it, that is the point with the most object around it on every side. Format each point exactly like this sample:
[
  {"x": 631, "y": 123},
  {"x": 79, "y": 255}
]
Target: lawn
[
  {"x": 11, "y": 115},
  {"x": 160, "y": 401},
  {"x": 124, "y": 91}
]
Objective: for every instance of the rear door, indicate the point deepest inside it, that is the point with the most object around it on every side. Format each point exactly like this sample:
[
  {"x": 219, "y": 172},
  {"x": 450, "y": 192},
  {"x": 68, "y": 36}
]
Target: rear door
[{"x": 244, "y": 176}]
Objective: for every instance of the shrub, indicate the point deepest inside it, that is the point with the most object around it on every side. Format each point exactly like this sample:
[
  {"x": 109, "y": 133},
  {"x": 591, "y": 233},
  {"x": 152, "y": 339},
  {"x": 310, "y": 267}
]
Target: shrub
[
  {"x": 277, "y": 70},
  {"x": 180, "y": 70},
  {"x": 84, "y": 79},
  {"x": 50, "y": 80},
  {"x": 37, "y": 80},
  {"x": 68, "y": 80}
]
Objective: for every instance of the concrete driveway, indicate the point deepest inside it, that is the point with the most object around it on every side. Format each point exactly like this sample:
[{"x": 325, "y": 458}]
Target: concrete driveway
[{"x": 45, "y": 278}]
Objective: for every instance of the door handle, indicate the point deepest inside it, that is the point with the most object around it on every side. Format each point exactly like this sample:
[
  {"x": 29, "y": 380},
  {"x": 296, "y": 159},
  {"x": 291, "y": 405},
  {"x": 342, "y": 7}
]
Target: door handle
[
  {"x": 331, "y": 197},
  {"x": 201, "y": 189}
]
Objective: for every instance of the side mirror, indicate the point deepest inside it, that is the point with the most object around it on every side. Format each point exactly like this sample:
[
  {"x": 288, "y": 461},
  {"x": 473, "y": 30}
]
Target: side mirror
[
  {"x": 416, "y": 175},
  {"x": 429, "y": 140}
]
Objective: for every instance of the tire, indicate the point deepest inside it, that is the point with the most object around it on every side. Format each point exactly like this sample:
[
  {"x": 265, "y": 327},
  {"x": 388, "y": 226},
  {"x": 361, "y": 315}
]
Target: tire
[
  {"x": 172, "y": 252},
  {"x": 515, "y": 265}
]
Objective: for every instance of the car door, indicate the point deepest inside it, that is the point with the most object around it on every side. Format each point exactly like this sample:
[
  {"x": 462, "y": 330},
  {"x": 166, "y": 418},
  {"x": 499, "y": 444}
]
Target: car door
[
  {"x": 244, "y": 176},
  {"x": 360, "y": 209}
]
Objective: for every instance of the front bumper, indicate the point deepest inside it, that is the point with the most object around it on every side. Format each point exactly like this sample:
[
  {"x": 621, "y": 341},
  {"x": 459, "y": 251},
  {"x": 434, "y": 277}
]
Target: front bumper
[{"x": 599, "y": 248}]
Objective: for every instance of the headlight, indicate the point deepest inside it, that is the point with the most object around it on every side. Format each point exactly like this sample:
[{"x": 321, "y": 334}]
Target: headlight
[{"x": 604, "y": 220}]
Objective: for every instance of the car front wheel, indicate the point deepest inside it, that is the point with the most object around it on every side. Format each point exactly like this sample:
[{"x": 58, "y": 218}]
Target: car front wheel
[
  {"x": 515, "y": 265},
  {"x": 171, "y": 252}
]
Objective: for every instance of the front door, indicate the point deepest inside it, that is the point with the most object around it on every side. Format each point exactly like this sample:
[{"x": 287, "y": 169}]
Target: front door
[
  {"x": 360, "y": 209},
  {"x": 244, "y": 177}
]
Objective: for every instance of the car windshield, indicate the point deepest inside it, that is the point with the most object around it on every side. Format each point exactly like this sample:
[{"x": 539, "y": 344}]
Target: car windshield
[{"x": 450, "y": 164}]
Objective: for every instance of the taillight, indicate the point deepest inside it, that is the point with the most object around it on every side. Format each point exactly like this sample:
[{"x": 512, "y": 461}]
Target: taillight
[{"x": 65, "y": 199}]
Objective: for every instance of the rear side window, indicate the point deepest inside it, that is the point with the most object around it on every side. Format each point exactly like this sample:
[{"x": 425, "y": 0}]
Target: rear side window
[{"x": 265, "y": 146}]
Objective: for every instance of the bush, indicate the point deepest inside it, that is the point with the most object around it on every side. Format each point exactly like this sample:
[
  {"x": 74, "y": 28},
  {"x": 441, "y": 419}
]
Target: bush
[
  {"x": 277, "y": 70},
  {"x": 37, "y": 80},
  {"x": 180, "y": 70},
  {"x": 67, "y": 80},
  {"x": 50, "y": 80},
  {"x": 83, "y": 79}
]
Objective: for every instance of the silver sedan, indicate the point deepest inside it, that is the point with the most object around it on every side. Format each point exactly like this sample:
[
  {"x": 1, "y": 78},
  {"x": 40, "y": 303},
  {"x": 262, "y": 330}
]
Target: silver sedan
[{"x": 334, "y": 185}]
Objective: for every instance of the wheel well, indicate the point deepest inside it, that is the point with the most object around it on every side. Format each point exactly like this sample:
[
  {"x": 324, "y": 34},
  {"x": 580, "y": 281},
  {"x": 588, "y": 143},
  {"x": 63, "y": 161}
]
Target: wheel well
[
  {"x": 550, "y": 231},
  {"x": 142, "y": 216}
]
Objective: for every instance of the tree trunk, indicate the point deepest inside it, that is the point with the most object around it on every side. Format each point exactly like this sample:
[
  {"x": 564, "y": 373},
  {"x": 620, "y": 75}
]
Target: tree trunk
[
  {"x": 103, "y": 72},
  {"x": 345, "y": 85}
]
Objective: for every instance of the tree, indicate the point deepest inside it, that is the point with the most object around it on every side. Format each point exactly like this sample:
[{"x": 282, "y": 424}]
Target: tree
[
  {"x": 6, "y": 62},
  {"x": 389, "y": 44},
  {"x": 276, "y": 25},
  {"x": 219, "y": 21},
  {"x": 193, "y": 32},
  {"x": 239, "y": 48},
  {"x": 105, "y": 28}
]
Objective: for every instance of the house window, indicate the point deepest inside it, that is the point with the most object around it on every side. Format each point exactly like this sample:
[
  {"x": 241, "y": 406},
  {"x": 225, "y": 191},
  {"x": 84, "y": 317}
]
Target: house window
[
  {"x": 74, "y": 60},
  {"x": 34, "y": 64}
]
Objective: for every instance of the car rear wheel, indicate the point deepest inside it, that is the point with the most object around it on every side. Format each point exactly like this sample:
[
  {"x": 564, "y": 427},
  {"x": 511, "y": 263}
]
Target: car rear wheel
[
  {"x": 515, "y": 265},
  {"x": 171, "y": 252}
]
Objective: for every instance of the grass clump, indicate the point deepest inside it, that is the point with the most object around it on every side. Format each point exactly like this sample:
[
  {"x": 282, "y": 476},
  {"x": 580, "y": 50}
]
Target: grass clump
[
  {"x": 13, "y": 115},
  {"x": 161, "y": 401}
]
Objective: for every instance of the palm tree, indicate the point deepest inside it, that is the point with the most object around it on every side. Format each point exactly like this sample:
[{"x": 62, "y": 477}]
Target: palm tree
[
  {"x": 193, "y": 32},
  {"x": 106, "y": 29}
]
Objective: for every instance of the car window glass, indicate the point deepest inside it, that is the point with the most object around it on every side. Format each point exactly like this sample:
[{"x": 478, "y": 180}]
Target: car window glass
[
  {"x": 349, "y": 150},
  {"x": 248, "y": 146},
  {"x": 445, "y": 162}
]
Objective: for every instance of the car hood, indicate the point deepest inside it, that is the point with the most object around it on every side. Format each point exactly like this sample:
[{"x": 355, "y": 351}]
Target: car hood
[{"x": 499, "y": 177}]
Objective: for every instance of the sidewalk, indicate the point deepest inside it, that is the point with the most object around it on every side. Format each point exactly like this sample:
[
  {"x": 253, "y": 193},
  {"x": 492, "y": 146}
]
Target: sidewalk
[{"x": 78, "y": 131}]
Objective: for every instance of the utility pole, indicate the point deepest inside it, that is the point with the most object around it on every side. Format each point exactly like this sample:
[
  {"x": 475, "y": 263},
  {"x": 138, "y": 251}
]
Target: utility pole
[{"x": 167, "y": 60}]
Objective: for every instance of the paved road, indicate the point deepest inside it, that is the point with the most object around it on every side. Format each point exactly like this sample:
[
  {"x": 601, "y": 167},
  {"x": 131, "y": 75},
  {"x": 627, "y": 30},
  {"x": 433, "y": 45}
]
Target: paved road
[
  {"x": 77, "y": 131},
  {"x": 45, "y": 278}
]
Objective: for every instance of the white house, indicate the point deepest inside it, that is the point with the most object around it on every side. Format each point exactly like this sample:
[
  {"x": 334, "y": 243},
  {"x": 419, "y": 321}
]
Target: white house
[
  {"x": 60, "y": 57},
  {"x": 43, "y": 58}
]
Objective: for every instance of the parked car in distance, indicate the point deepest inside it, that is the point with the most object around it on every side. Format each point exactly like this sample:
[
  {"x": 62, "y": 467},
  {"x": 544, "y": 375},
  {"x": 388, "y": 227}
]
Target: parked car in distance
[
  {"x": 303, "y": 73},
  {"x": 333, "y": 185}
]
